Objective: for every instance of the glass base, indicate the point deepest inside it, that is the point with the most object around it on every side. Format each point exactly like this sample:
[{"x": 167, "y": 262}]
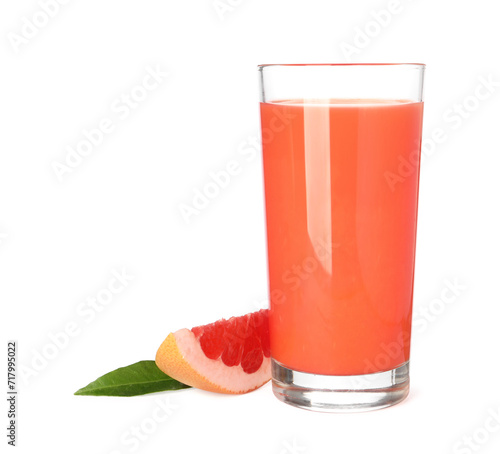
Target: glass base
[{"x": 336, "y": 393}]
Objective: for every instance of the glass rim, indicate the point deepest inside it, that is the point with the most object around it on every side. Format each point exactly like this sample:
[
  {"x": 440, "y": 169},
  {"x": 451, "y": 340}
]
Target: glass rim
[{"x": 261, "y": 67}]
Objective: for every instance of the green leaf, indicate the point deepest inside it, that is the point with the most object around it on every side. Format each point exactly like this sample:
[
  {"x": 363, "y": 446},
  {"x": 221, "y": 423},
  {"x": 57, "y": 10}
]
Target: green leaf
[{"x": 139, "y": 378}]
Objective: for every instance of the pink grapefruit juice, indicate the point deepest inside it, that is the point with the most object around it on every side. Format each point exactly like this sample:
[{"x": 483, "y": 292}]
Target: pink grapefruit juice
[{"x": 341, "y": 193}]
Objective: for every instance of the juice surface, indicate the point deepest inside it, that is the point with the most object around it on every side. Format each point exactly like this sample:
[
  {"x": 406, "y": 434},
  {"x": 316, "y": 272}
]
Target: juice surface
[{"x": 341, "y": 190}]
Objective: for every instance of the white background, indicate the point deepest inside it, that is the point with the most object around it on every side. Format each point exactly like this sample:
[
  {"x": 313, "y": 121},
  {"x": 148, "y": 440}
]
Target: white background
[{"x": 119, "y": 208}]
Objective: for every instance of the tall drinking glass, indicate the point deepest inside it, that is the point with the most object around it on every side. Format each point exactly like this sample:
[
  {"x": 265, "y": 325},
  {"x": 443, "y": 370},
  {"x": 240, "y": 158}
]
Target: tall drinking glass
[{"x": 341, "y": 153}]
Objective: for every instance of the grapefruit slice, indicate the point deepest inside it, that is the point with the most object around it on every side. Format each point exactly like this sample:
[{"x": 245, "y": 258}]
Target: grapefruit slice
[{"x": 228, "y": 356}]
